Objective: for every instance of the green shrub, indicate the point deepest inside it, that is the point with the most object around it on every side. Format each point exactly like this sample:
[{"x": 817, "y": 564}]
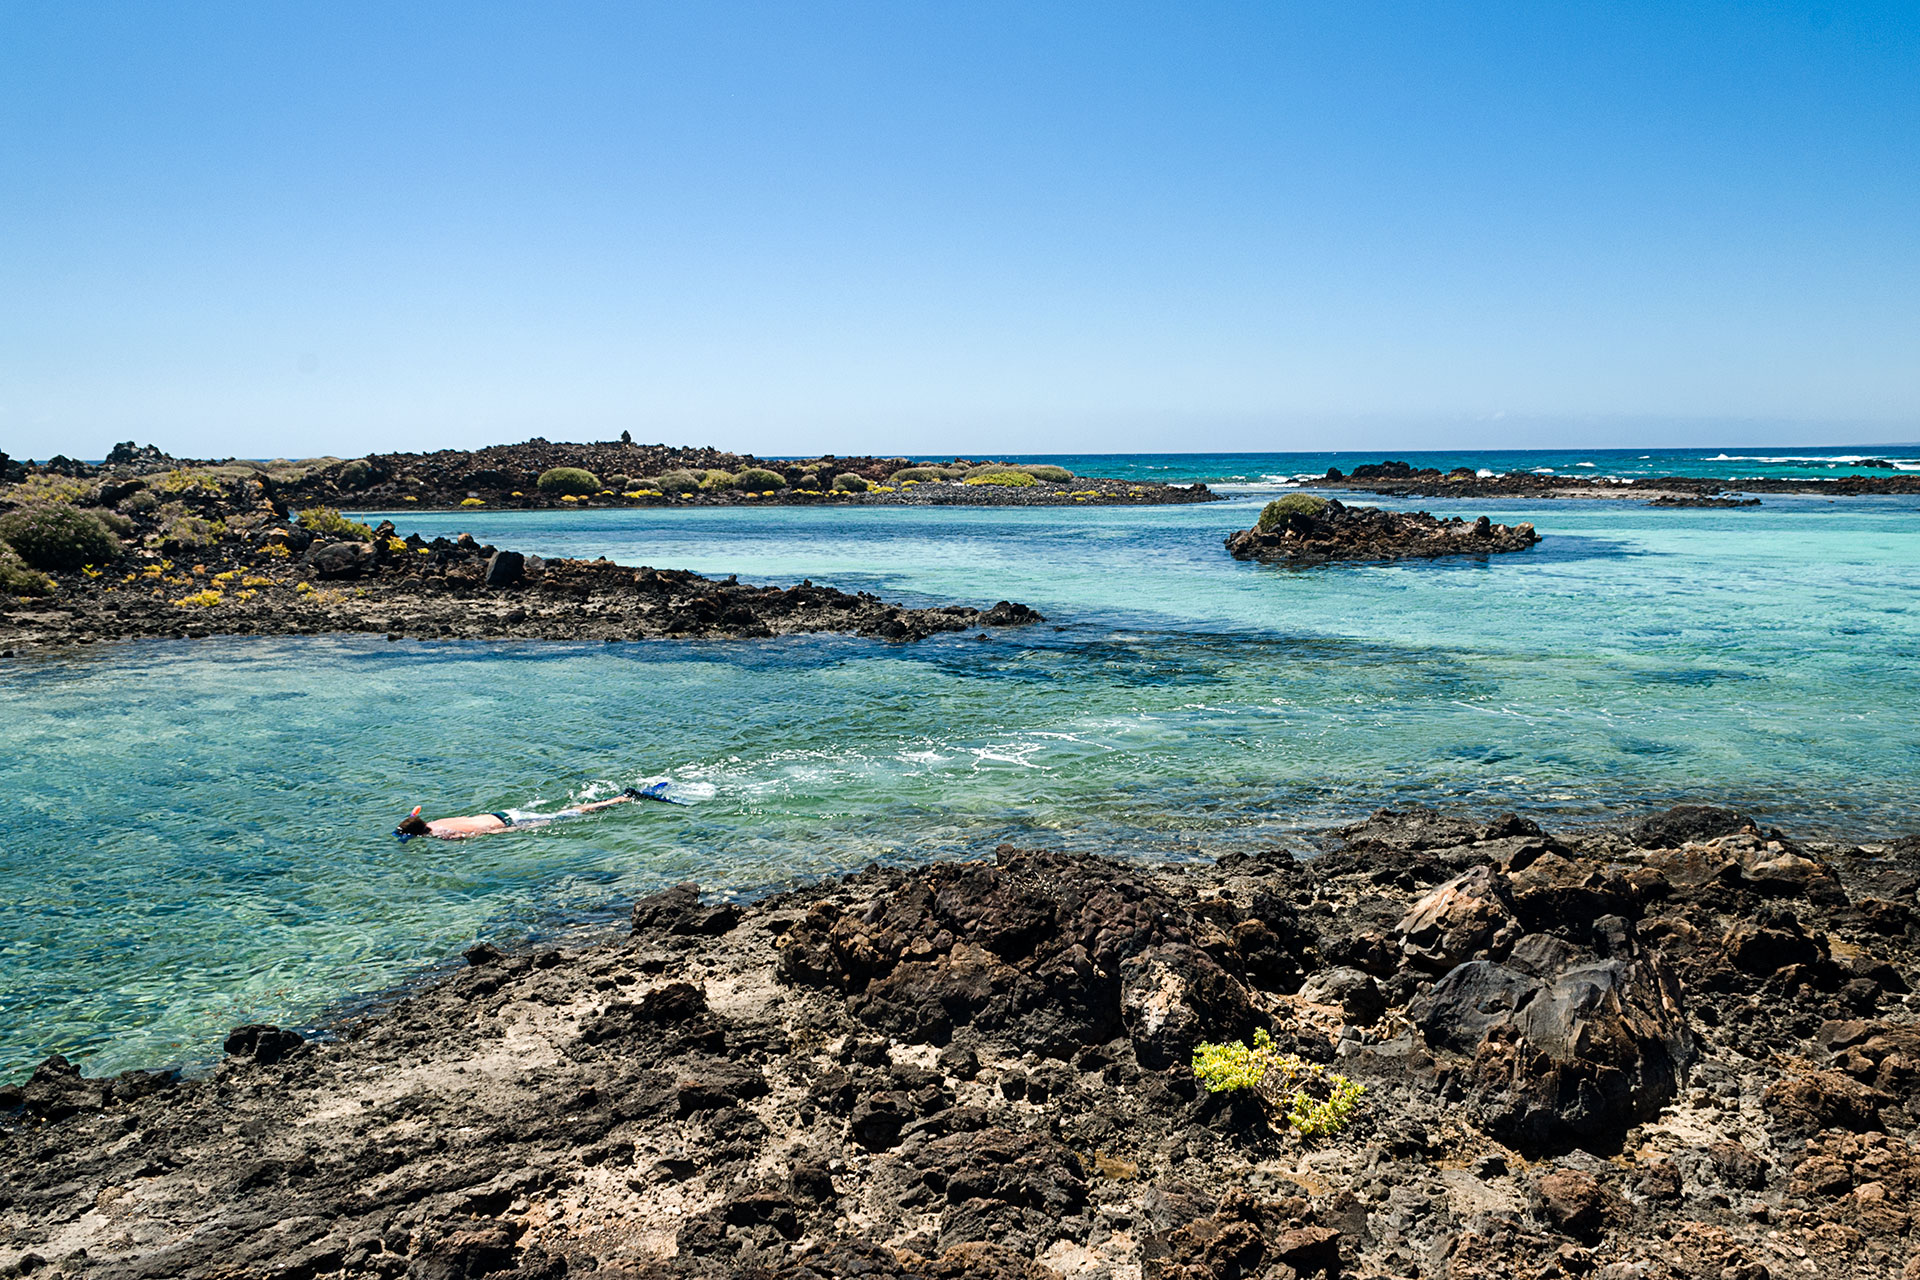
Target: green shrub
[
  {"x": 711, "y": 480},
  {"x": 357, "y": 474},
  {"x": 49, "y": 488},
  {"x": 18, "y": 580},
  {"x": 330, "y": 523},
  {"x": 59, "y": 537},
  {"x": 183, "y": 481},
  {"x": 921, "y": 474},
  {"x": 568, "y": 480},
  {"x": 1276, "y": 512},
  {"x": 184, "y": 531},
  {"x": 759, "y": 480},
  {"x": 140, "y": 503},
  {"x": 808, "y": 481},
  {"x": 121, "y": 526},
  {"x": 1308, "y": 1098},
  {"x": 848, "y": 482},
  {"x": 987, "y": 468},
  {"x": 675, "y": 482},
  {"x": 619, "y": 483},
  {"x": 1011, "y": 479},
  {"x": 1048, "y": 472}
]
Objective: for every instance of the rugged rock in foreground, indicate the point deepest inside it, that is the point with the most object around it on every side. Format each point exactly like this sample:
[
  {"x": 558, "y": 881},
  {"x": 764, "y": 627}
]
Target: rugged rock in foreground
[
  {"x": 1300, "y": 529},
  {"x": 1684, "y": 1049}
]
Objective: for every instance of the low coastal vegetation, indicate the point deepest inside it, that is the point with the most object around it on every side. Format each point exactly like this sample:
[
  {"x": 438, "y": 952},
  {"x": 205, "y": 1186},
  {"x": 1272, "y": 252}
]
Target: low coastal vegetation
[
  {"x": 1280, "y": 510},
  {"x": 1005, "y": 479},
  {"x": 16, "y": 579},
  {"x": 759, "y": 480},
  {"x": 328, "y": 522},
  {"x": 1308, "y": 1099},
  {"x": 59, "y": 536},
  {"x": 568, "y": 480}
]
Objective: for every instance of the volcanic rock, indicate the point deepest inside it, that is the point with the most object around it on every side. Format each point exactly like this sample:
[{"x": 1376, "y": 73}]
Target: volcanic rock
[{"x": 1340, "y": 532}]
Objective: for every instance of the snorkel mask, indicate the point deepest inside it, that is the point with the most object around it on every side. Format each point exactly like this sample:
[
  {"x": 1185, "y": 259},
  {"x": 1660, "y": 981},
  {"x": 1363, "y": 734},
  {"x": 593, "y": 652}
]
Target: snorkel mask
[{"x": 405, "y": 836}]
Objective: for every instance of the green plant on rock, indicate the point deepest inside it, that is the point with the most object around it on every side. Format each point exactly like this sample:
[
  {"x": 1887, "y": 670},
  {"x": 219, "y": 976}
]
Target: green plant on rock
[
  {"x": 759, "y": 480},
  {"x": 328, "y": 521},
  {"x": 181, "y": 530},
  {"x": 18, "y": 580},
  {"x": 713, "y": 480},
  {"x": 675, "y": 482},
  {"x": 1305, "y": 1096},
  {"x": 49, "y": 488},
  {"x": 568, "y": 480},
  {"x": 120, "y": 524},
  {"x": 849, "y": 482},
  {"x": 1048, "y": 472},
  {"x": 56, "y": 536},
  {"x": 923, "y": 475},
  {"x": 1008, "y": 479},
  {"x": 1280, "y": 510},
  {"x": 182, "y": 481},
  {"x": 357, "y": 474}
]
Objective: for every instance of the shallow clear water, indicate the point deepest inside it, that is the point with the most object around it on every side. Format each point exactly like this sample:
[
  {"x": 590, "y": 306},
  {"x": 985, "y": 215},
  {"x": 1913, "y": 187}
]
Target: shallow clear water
[{"x": 199, "y": 832}]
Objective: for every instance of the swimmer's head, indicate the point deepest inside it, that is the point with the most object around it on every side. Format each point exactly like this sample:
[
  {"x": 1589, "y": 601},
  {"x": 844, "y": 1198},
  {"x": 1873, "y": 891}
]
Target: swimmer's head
[{"x": 412, "y": 825}]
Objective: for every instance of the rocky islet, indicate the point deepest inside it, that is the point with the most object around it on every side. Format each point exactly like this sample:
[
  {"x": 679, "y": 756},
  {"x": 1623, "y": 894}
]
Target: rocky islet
[
  {"x": 1301, "y": 529},
  {"x": 1678, "y": 1048}
]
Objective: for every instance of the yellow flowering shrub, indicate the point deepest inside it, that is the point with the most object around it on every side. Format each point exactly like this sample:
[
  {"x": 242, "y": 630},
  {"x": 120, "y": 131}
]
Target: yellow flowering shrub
[{"x": 1305, "y": 1096}]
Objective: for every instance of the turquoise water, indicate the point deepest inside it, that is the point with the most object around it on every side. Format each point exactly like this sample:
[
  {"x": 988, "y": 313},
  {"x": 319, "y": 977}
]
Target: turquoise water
[{"x": 199, "y": 830}]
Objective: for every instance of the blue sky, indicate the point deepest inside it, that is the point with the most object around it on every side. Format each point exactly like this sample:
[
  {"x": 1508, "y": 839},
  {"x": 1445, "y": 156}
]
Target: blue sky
[{"x": 301, "y": 228}]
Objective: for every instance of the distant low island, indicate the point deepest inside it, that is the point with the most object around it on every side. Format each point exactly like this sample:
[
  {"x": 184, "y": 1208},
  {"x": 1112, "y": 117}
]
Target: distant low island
[
  {"x": 539, "y": 473},
  {"x": 144, "y": 546},
  {"x": 1402, "y": 479}
]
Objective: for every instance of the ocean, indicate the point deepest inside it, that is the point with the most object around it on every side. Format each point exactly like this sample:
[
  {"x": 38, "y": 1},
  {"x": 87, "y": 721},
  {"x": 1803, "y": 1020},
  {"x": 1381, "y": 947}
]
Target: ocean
[{"x": 199, "y": 831}]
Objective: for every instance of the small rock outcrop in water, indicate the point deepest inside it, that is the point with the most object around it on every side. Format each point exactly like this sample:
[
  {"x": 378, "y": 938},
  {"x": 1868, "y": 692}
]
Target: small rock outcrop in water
[
  {"x": 1302, "y": 529},
  {"x": 1676, "y": 1048}
]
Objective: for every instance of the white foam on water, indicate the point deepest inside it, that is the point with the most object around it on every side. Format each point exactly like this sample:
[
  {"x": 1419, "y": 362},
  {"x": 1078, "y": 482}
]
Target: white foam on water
[
  {"x": 1845, "y": 459},
  {"x": 1486, "y": 473}
]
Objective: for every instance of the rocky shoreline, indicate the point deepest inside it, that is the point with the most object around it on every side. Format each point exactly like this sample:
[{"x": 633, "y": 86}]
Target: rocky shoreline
[
  {"x": 219, "y": 556},
  {"x": 1301, "y": 529},
  {"x": 1681, "y": 1047},
  {"x": 624, "y": 474},
  {"x": 1399, "y": 479}
]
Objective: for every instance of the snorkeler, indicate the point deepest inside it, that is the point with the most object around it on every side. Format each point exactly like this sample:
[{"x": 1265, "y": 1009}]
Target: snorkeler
[{"x": 482, "y": 824}]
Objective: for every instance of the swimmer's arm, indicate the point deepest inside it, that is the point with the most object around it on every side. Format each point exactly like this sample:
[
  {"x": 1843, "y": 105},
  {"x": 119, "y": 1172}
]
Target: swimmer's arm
[{"x": 605, "y": 804}]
